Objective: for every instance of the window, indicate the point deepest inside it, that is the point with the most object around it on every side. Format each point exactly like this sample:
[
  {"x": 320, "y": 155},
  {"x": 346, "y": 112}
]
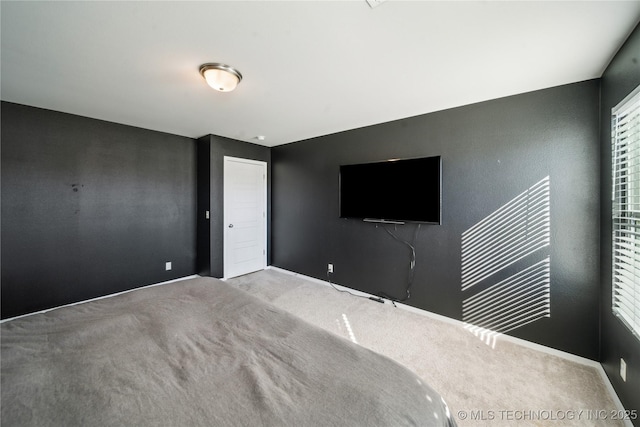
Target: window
[{"x": 625, "y": 141}]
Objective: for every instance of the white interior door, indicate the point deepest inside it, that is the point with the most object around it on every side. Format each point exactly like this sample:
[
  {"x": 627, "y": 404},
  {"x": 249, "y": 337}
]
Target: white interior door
[{"x": 245, "y": 216}]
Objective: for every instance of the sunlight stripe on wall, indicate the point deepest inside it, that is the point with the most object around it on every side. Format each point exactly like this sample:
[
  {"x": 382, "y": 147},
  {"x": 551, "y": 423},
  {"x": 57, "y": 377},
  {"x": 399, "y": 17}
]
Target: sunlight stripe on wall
[
  {"x": 514, "y": 302},
  {"x": 514, "y": 231}
]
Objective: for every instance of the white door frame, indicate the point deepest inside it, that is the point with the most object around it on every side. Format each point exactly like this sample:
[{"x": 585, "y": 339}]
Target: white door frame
[{"x": 226, "y": 213}]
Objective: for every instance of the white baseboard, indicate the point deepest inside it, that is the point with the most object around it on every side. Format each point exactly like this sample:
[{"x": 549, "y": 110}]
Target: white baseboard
[
  {"x": 99, "y": 298},
  {"x": 612, "y": 393},
  {"x": 500, "y": 337}
]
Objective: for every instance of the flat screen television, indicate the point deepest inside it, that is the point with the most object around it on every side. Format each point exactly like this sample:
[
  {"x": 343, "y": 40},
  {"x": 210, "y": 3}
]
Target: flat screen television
[{"x": 405, "y": 190}]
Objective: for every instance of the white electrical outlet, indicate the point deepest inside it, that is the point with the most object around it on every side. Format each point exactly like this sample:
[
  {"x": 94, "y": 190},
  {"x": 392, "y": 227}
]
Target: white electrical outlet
[
  {"x": 329, "y": 268},
  {"x": 167, "y": 266},
  {"x": 623, "y": 370}
]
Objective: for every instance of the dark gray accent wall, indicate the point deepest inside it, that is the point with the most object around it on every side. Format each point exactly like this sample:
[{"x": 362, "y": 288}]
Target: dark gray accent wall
[
  {"x": 212, "y": 150},
  {"x": 90, "y": 208},
  {"x": 619, "y": 79},
  {"x": 491, "y": 152}
]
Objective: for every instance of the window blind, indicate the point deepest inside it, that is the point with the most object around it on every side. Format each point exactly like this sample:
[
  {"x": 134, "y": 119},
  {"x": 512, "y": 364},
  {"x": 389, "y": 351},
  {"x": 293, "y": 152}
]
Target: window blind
[{"x": 625, "y": 129}]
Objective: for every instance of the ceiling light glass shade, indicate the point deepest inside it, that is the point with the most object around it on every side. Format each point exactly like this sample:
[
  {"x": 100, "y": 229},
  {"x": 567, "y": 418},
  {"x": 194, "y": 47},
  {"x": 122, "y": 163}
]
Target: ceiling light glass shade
[{"x": 220, "y": 76}]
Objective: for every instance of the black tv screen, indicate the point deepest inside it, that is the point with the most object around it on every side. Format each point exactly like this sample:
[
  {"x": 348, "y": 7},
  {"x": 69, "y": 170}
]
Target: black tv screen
[{"x": 407, "y": 190}]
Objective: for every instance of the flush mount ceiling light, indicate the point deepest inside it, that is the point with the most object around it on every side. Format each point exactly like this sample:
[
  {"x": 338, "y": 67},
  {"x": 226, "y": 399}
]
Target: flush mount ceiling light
[{"x": 220, "y": 76}]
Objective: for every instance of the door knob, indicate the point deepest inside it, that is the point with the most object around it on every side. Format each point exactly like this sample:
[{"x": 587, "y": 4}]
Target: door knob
[{"x": 230, "y": 225}]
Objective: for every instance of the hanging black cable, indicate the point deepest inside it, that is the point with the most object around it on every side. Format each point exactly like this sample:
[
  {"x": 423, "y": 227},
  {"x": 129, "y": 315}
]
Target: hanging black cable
[
  {"x": 412, "y": 264},
  {"x": 376, "y": 299}
]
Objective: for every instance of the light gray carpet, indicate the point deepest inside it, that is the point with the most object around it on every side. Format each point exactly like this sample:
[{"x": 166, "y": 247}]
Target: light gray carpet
[{"x": 504, "y": 385}]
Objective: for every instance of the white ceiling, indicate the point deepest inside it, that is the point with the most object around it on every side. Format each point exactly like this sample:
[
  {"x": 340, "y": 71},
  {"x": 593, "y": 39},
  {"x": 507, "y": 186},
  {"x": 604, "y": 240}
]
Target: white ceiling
[{"x": 310, "y": 68}]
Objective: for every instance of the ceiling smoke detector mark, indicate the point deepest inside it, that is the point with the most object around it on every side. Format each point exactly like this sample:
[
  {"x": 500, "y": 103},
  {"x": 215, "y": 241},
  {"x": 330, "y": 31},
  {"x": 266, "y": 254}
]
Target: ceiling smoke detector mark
[{"x": 375, "y": 3}]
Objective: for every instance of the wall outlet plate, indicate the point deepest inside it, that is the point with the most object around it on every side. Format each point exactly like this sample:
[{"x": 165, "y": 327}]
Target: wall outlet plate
[
  {"x": 329, "y": 268},
  {"x": 167, "y": 266},
  {"x": 623, "y": 370}
]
